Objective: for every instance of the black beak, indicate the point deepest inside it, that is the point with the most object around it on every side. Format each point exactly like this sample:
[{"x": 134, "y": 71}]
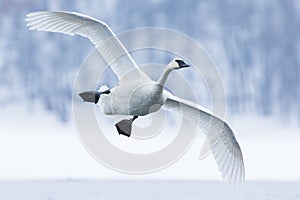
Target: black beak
[{"x": 182, "y": 64}]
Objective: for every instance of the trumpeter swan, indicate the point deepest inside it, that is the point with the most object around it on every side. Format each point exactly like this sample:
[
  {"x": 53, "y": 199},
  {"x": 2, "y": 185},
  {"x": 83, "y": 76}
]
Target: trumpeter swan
[{"x": 138, "y": 95}]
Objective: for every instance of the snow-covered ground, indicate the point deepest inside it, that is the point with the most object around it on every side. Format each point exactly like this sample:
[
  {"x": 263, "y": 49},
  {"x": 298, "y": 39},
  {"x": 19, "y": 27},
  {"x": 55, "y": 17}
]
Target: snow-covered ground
[
  {"x": 144, "y": 190},
  {"x": 34, "y": 145},
  {"x": 36, "y": 150}
]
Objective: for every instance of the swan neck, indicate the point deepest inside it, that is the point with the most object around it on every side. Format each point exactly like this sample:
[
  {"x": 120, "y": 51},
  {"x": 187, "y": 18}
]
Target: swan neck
[{"x": 163, "y": 78}]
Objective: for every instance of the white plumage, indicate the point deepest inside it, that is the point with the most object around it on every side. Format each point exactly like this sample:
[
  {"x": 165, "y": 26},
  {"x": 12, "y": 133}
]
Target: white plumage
[{"x": 138, "y": 95}]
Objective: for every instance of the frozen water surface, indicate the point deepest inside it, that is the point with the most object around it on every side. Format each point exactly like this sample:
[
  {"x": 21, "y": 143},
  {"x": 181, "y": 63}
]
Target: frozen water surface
[{"x": 140, "y": 190}]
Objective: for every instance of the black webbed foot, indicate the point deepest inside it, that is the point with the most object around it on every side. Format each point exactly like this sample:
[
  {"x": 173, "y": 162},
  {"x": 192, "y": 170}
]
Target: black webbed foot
[
  {"x": 124, "y": 126},
  {"x": 92, "y": 96}
]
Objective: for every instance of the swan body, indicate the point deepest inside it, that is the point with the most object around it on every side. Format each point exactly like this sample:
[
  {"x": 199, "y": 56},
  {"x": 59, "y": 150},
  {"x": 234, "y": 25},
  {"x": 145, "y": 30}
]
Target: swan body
[
  {"x": 136, "y": 101},
  {"x": 137, "y": 95}
]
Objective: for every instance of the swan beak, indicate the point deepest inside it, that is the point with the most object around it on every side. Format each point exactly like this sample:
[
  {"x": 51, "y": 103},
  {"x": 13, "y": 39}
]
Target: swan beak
[{"x": 184, "y": 66}]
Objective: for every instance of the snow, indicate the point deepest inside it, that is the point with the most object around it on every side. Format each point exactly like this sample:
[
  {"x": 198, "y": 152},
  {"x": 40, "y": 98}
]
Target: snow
[
  {"x": 144, "y": 190},
  {"x": 37, "y": 146},
  {"x": 42, "y": 158}
]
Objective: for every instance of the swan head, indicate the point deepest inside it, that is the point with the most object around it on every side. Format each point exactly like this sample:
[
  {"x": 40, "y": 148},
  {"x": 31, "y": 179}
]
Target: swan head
[{"x": 177, "y": 63}]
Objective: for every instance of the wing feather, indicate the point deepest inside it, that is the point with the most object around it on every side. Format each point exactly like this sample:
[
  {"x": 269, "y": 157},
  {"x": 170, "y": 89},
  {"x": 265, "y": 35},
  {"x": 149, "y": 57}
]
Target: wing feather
[
  {"x": 222, "y": 141},
  {"x": 98, "y": 32}
]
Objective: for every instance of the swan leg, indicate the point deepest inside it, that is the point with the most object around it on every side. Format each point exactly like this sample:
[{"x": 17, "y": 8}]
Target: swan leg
[
  {"x": 92, "y": 96},
  {"x": 124, "y": 126}
]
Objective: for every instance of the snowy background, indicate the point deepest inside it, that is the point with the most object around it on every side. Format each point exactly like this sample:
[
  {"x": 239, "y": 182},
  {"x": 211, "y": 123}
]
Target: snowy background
[{"x": 256, "y": 48}]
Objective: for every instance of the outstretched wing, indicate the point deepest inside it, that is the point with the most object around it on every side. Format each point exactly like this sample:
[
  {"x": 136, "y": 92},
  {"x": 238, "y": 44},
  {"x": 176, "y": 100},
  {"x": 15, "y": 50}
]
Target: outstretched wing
[
  {"x": 222, "y": 142},
  {"x": 96, "y": 31}
]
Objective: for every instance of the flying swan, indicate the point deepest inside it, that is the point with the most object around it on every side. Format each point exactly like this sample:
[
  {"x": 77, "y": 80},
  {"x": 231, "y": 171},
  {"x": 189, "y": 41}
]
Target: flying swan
[{"x": 137, "y": 95}]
